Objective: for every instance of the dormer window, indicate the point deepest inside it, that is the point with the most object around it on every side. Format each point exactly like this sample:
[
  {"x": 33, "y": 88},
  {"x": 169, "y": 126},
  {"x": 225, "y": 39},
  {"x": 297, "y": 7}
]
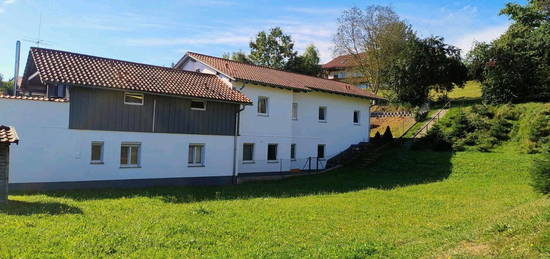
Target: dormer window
[
  {"x": 198, "y": 105},
  {"x": 133, "y": 98}
]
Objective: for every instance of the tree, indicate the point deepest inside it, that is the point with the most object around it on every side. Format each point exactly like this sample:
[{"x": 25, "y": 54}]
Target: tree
[
  {"x": 238, "y": 56},
  {"x": 424, "y": 65},
  {"x": 374, "y": 38},
  {"x": 274, "y": 49},
  {"x": 516, "y": 66},
  {"x": 307, "y": 63}
]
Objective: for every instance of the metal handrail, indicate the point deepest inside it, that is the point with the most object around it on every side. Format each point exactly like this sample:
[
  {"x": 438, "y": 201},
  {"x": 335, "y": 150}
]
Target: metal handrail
[{"x": 435, "y": 117}]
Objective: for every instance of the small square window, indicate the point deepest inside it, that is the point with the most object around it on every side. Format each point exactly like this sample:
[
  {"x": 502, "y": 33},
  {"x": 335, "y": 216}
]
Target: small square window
[
  {"x": 293, "y": 151},
  {"x": 294, "y": 111},
  {"x": 263, "y": 104},
  {"x": 133, "y": 98},
  {"x": 321, "y": 151},
  {"x": 130, "y": 154},
  {"x": 356, "y": 117},
  {"x": 97, "y": 153},
  {"x": 196, "y": 155},
  {"x": 198, "y": 105},
  {"x": 272, "y": 152},
  {"x": 248, "y": 152},
  {"x": 323, "y": 113}
]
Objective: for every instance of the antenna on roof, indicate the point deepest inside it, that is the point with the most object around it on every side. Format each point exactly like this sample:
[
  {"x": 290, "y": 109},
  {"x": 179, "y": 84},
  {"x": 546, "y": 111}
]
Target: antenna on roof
[{"x": 38, "y": 41}]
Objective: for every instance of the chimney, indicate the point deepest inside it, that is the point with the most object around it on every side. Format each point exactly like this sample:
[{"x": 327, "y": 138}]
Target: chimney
[{"x": 16, "y": 72}]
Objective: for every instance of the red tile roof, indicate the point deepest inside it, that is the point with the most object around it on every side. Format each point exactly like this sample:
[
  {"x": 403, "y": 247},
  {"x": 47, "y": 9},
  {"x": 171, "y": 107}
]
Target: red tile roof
[
  {"x": 340, "y": 62},
  {"x": 61, "y": 67},
  {"x": 33, "y": 98},
  {"x": 274, "y": 77},
  {"x": 8, "y": 135}
]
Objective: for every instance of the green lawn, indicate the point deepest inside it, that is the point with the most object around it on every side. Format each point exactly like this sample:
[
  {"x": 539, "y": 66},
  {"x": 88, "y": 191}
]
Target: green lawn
[{"x": 411, "y": 204}]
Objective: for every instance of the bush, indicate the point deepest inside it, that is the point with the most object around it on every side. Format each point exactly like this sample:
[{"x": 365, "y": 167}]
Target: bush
[
  {"x": 377, "y": 139},
  {"x": 540, "y": 173},
  {"x": 388, "y": 136}
]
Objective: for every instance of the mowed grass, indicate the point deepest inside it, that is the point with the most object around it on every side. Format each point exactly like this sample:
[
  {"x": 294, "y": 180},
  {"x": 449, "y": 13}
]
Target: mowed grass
[{"x": 410, "y": 204}]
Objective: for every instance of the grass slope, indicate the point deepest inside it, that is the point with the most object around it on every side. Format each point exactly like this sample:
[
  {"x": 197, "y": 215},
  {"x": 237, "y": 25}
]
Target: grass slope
[{"x": 411, "y": 204}]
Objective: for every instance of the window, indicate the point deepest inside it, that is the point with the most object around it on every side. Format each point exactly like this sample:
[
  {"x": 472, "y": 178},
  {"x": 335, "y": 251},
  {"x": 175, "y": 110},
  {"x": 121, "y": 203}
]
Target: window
[
  {"x": 248, "y": 152},
  {"x": 322, "y": 113},
  {"x": 356, "y": 117},
  {"x": 294, "y": 111},
  {"x": 293, "y": 151},
  {"x": 133, "y": 99},
  {"x": 97, "y": 153},
  {"x": 196, "y": 155},
  {"x": 272, "y": 152},
  {"x": 263, "y": 104},
  {"x": 198, "y": 105},
  {"x": 321, "y": 151},
  {"x": 130, "y": 154}
]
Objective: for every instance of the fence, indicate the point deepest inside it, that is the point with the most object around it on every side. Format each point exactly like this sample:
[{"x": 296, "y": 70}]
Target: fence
[
  {"x": 390, "y": 114},
  {"x": 283, "y": 165},
  {"x": 435, "y": 118}
]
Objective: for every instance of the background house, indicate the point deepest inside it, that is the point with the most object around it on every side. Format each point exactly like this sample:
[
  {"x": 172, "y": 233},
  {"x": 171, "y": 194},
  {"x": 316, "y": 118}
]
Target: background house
[{"x": 345, "y": 69}]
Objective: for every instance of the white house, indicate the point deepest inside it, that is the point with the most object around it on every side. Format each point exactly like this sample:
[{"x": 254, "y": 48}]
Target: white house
[
  {"x": 301, "y": 117},
  {"x": 112, "y": 123}
]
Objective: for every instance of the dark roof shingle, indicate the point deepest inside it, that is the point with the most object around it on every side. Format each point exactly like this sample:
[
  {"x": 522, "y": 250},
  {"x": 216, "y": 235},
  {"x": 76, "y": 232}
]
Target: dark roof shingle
[
  {"x": 61, "y": 67},
  {"x": 8, "y": 135},
  {"x": 289, "y": 80}
]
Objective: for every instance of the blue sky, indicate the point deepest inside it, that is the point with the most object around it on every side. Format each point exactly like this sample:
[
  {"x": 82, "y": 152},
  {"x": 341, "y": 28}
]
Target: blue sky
[{"x": 160, "y": 32}]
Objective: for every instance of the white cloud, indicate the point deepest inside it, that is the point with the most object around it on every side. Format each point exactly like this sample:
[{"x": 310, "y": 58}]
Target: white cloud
[
  {"x": 229, "y": 39},
  {"x": 312, "y": 10},
  {"x": 9, "y": 1},
  {"x": 466, "y": 41}
]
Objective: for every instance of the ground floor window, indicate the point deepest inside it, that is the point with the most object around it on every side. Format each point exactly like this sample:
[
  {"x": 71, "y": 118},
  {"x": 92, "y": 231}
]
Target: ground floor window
[
  {"x": 97, "y": 152},
  {"x": 248, "y": 152},
  {"x": 130, "y": 154},
  {"x": 321, "y": 151},
  {"x": 196, "y": 155},
  {"x": 293, "y": 151},
  {"x": 272, "y": 152}
]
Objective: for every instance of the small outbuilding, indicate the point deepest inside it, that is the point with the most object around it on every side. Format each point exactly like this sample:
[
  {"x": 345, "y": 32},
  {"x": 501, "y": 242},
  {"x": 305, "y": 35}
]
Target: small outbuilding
[{"x": 8, "y": 135}]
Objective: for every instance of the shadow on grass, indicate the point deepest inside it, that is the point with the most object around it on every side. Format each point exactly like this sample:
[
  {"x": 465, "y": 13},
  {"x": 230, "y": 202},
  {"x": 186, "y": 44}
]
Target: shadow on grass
[
  {"x": 31, "y": 208},
  {"x": 398, "y": 167}
]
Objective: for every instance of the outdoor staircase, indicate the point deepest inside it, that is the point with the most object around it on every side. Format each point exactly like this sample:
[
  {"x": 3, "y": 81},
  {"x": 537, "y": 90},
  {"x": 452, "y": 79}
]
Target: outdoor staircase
[{"x": 363, "y": 153}]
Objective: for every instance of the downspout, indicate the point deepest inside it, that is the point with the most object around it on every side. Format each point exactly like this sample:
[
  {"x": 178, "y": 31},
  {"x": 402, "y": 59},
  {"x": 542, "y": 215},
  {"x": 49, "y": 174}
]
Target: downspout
[{"x": 235, "y": 144}]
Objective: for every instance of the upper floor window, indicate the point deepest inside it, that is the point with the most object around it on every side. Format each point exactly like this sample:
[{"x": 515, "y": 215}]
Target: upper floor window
[
  {"x": 248, "y": 152},
  {"x": 196, "y": 155},
  {"x": 263, "y": 105},
  {"x": 294, "y": 111},
  {"x": 322, "y": 113},
  {"x": 272, "y": 152},
  {"x": 356, "y": 117},
  {"x": 130, "y": 154},
  {"x": 133, "y": 98},
  {"x": 97, "y": 153},
  {"x": 198, "y": 105}
]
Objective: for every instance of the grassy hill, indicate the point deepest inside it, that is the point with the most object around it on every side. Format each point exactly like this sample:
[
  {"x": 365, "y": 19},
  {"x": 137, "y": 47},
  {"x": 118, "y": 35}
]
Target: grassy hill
[{"x": 410, "y": 204}]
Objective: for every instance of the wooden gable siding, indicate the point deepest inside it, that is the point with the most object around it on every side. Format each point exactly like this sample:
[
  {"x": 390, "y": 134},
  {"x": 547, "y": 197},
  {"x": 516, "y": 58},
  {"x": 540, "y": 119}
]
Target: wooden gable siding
[{"x": 98, "y": 109}]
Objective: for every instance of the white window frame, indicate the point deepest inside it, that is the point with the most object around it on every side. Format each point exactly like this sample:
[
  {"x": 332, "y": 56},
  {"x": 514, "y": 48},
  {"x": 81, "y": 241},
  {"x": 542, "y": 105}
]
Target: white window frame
[
  {"x": 276, "y": 160},
  {"x": 136, "y": 94},
  {"x": 293, "y": 147},
  {"x": 252, "y": 156},
  {"x": 194, "y": 163},
  {"x": 102, "y": 145},
  {"x": 266, "y": 106},
  {"x": 324, "y": 151},
  {"x": 131, "y": 145},
  {"x": 294, "y": 111},
  {"x": 358, "y": 117},
  {"x": 319, "y": 113},
  {"x": 198, "y": 109}
]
